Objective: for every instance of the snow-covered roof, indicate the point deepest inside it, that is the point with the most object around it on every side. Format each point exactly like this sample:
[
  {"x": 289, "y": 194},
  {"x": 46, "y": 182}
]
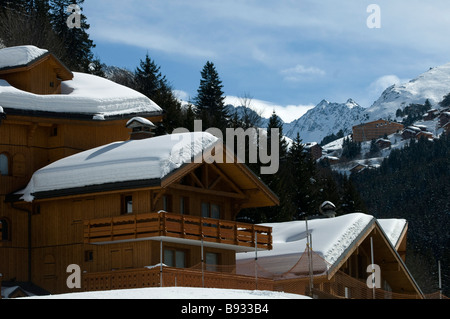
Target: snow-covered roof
[
  {"x": 85, "y": 94},
  {"x": 128, "y": 161},
  {"x": 19, "y": 56},
  {"x": 331, "y": 238},
  {"x": 139, "y": 121}
]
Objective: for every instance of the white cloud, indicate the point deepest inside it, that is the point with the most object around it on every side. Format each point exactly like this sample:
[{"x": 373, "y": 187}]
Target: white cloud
[
  {"x": 182, "y": 95},
  {"x": 287, "y": 113},
  {"x": 300, "y": 72},
  {"x": 383, "y": 82}
]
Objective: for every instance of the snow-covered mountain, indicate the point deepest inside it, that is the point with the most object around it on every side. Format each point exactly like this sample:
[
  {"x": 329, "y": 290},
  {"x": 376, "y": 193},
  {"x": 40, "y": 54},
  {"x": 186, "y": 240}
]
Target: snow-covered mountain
[
  {"x": 325, "y": 119},
  {"x": 432, "y": 85}
]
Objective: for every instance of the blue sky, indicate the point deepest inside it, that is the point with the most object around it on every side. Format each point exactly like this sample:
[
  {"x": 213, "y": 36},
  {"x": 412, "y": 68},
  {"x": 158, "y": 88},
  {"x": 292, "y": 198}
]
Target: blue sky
[{"x": 287, "y": 55}]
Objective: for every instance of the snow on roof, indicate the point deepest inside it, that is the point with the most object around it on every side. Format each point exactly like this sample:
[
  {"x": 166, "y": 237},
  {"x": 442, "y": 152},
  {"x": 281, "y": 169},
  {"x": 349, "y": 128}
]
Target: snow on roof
[
  {"x": 132, "y": 160},
  {"x": 84, "y": 94},
  {"x": 19, "y": 55},
  {"x": 393, "y": 228},
  {"x": 331, "y": 237},
  {"x": 141, "y": 120}
]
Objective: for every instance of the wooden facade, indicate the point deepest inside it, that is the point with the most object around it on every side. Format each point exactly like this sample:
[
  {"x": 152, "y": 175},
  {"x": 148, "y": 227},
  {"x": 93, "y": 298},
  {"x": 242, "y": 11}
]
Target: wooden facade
[
  {"x": 376, "y": 129},
  {"x": 41, "y": 76},
  {"x": 122, "y": 229}
]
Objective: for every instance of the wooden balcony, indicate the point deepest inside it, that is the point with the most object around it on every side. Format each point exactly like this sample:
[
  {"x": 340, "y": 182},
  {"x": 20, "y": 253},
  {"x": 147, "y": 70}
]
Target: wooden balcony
[
  {"x": 171, "y": 277},
  {"x": 178, "y": 228}
]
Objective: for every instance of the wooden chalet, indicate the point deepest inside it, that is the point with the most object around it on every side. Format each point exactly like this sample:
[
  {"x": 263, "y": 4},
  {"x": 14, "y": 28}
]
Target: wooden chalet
[
  {"x": 337, "y": 262},
  {"x": 109, "y": 211},
  {"x": 374, "y": 130},
  {"x": 41, "y": 123}
]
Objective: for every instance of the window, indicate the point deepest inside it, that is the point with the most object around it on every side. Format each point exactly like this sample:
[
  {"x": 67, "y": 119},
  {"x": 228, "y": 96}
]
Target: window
[
  {"x": 54, "y": 131},
  {"x": 212, "y": 261},
  {"x": 175, "y": 258},
  {"x": 184, "y": 205},
  {"x": 4, "y": 230},
  {"x": 210, "y": 210},
  {"x": 88, "y": 255},
  {"x": 127, "y": 204},
  {"x": 4, "y": 165},
  {"x": 167, "y": 203}
]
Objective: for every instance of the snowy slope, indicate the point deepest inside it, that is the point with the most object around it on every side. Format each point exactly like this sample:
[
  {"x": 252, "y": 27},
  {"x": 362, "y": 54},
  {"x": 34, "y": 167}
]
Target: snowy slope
[
  {"x": 132, "y": 160},
  {"x": 432, "y": 85},
  {"x": 325, "y": 119}
]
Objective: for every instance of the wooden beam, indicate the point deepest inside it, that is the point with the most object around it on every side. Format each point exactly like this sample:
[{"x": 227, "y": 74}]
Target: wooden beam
[
  {"x": 229, "y": 181},
  {"x": 207, "y": 191},
  {"x": 196, "y": 180},
  {"x": 217, "y": 181}
]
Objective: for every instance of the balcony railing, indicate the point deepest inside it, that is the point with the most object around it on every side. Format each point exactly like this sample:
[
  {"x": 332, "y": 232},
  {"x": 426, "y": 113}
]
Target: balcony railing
[
  {"x": 182, "y": 227},
  {"x": 171, "y": 277}
]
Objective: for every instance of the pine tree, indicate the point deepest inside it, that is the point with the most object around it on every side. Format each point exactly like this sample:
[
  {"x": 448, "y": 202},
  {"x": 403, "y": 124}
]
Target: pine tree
[
  {"x": 302, "y": 180},
  {"x": 148, "y": 78},
  {"x": 210, "y": 100},
  {"x": 150, "y": 82},
  {"x": 76, "y": 40},
  {"x": 276, "y": 123}
]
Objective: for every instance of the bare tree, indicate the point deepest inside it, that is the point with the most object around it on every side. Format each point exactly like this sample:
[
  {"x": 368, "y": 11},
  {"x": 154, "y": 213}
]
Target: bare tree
[
  {"x": 250, "y": 116},
  {"x": 22, "y": 28}
]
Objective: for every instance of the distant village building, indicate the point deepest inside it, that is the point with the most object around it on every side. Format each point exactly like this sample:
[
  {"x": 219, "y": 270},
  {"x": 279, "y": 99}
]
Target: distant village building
[
  {"x": 383, "y": 143},
  {"x": 358, "y": 168},
  {"x": 431, "y": 115},
  {"x": 444, "y": 118},
  {"x": 447, "y": 128},
  {"x": 417, "y": 132},
  {"x": 314, "y": 149},
  {"x": 376, "y": 129}
]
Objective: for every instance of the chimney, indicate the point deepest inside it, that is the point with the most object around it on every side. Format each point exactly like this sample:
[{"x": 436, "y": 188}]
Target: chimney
[
  {"x": 328, "y": 209},
  {"x": 141, "y": 128}
]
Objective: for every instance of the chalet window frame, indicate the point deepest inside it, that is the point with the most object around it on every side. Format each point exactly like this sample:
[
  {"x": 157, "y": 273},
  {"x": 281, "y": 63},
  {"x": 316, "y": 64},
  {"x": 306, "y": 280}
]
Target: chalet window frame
[
  {"x": 210, "y": 213},
  {"x": 167, "y": 201},
  {"x": 5, "y": 157},
  {"x": 127, "y": 204},
  {"x": 184, "y": 205},
  {"x": 5, "y": 233},
  {"x": 173, "y": 251},
  {"x": 217, "y": 260}
]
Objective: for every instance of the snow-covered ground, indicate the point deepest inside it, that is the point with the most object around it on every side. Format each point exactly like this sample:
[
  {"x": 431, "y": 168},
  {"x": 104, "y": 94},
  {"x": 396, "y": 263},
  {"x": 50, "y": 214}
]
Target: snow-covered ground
[{"x": 176, "y": 293}]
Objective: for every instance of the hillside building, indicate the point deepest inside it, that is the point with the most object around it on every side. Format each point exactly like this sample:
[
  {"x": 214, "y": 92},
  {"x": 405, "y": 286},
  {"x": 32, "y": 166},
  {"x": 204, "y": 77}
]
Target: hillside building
[{"x": 374, "y": 130}]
